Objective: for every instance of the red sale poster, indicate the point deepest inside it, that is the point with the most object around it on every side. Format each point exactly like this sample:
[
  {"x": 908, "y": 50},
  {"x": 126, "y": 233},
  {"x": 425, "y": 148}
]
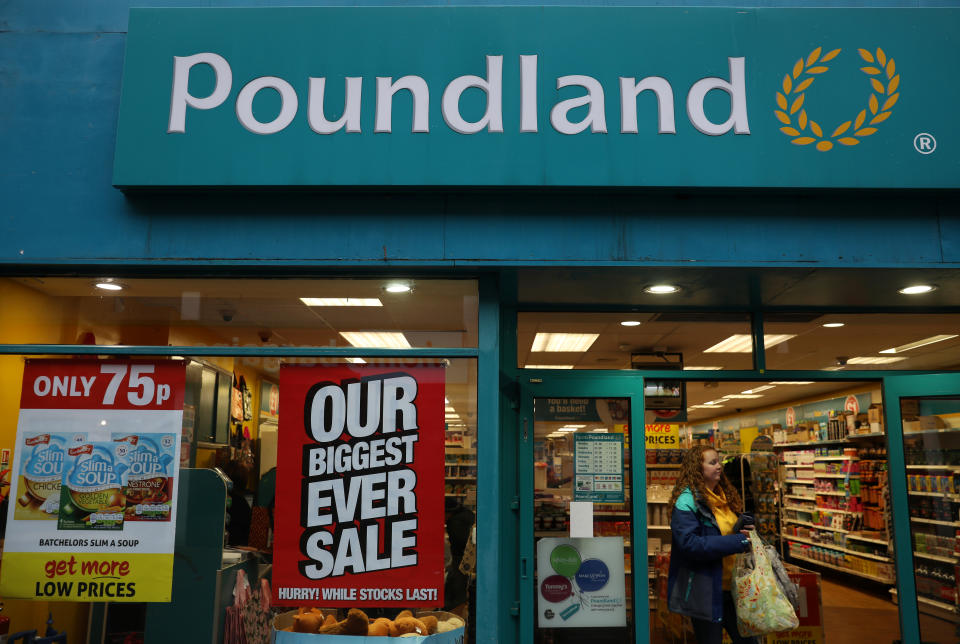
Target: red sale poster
[{"x": 359, "y": 511}]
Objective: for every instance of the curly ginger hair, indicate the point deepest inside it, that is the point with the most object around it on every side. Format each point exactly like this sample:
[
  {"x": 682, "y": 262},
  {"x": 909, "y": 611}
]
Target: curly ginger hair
[{"x": 691, "y": 476}]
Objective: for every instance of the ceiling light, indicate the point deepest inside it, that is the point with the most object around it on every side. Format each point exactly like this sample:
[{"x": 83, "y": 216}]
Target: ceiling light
[
  {"x": 705, "y": 406},
  {"x": 743, "y": 343},
  {"x": 109, "y": 285},
  {"x": 548, "y": 366},
  {"x": 835, "y": 367},
  {"x": 376, "y": 339},
  {"x": 919, "y": 343},
  {"x": 341, "y": 301},
  {"x": 874, "y": 360},
  {"x": 630, "y": 323},
  {"x": 792, "y": 382},
  {"x": 661, "y": 289},
  {"x": 702, "y": 368},
  {"x": 602, "y": 430},
  {"x": 564, "y": 342},
  {"x": 566, "y": 430},
  {"x": 917, "y": 289},
  {"x": 575, "y": 426},
  {"x": 834, "y": 325},
  {"x": 718, "y": 401},
  {"x": 446, "y": 400},
  {"x": 757, "y": 390},
  {"x": 449, "y": 409},
  {"x": 398, "y": 287},
  {"x": 745, "y": 396},
  {"x": 356, "y": 361}
]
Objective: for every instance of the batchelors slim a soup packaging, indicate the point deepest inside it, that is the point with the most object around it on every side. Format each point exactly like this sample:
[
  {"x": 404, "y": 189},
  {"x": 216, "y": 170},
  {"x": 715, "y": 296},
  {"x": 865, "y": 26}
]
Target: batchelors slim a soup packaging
[
  {"x": 41, "y": 470},
  {"x": 145, "y": 463},
  {"x": 90, "y": 494}
]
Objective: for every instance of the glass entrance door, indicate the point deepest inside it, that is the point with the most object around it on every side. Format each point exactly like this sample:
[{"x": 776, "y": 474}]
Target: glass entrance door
[
  {"x": 924, "y": 416},
  {"x": 583, "y": 540}
]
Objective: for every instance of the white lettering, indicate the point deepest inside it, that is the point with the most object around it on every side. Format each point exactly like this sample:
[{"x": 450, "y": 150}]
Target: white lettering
[
  {"x": 492, "y": 86},
  {"x": 736, "y": 88},
  {"x": 421, "y": 102},
  {"x": 351, "y": 110},
  {"x": 629, "y": 90},
  {"x": 180, "y": 97},
  {"x": 288, "y": 105},
  {"x": 528, "y": 93},
  {"x": 596, "y": 119}
]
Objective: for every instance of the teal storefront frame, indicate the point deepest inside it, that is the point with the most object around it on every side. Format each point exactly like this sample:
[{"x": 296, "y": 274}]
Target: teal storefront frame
[{"x": 505, "y": 394}]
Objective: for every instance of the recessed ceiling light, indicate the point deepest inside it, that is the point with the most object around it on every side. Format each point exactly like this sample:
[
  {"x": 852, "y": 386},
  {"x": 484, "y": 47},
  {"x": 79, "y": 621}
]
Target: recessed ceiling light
[
  {"x": 661, "y": 289},
  {"x": 705, "y": 406},
  {"x": 341, "y": 301},
  {"x": 874, "y": 360},
  {"x": 398, "y": 287},
  {"x": 356, "y": 361},
  {"x": 376, "y": 339},
  {"x": 757, "y": 390},
  {"x": 109, "y": 285},
  {"x": 744, "y": 396},
  {"x": 702, "y": 368},
  {"x": 567, "y": 430},
  {"x": 548, "y": 366},
  {"x": 791, "y": 382},
  {"x": 919, "y": 343},
  {"x": 564, "y": 342},
  {"x": 576, "y": 426},
  {"x": 834, "y": 325},
  {"x": 601, "y": 430},
  {"x": 630, "y": 323},
  {"x": 917, "y": 289},
  {"x": 743, "y": 343},
  {"x": 835, "y": 367},
  {"x": 448, "y": 408}
]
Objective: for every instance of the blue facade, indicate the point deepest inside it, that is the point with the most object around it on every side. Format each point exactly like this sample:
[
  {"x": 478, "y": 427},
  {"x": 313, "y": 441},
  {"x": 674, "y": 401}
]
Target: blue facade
[{"x": 61, "y": 73}]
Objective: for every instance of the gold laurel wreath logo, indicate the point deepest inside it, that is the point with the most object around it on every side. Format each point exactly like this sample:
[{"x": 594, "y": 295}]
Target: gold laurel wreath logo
[{"x": 801, "y": 77}]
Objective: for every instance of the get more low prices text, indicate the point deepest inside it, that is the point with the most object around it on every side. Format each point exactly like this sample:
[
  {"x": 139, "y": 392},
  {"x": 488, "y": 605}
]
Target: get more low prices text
[{"x": 359, "y": 514}]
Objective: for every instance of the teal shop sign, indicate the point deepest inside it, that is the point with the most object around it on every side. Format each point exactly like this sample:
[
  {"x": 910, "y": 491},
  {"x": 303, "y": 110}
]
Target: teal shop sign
[{"x": 540, "y": 96}]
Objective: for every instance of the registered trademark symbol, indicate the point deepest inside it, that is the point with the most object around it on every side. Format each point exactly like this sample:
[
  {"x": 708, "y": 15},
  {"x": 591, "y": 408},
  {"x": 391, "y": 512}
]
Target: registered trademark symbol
[{"x": 924, "y": 143}]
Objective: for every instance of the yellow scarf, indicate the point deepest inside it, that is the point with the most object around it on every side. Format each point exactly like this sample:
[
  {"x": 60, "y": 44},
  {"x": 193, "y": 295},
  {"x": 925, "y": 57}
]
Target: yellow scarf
[{"x": 726, "y": 519}]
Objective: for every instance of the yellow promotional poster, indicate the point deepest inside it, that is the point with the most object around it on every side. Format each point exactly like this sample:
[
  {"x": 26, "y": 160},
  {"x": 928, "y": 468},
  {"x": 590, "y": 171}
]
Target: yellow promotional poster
[
  {"x": 92, "y": 513},
  {"x": 662, "y": 435}
]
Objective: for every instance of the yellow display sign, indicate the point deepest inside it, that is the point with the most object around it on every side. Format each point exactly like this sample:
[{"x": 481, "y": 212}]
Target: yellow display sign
[
  {"x": 85, "y": 577},
  {"x": 662, "y": 435}
]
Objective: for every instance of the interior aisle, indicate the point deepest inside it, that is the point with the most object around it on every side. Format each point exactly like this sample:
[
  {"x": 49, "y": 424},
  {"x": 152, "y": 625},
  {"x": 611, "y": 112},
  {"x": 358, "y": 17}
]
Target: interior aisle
[{"x": 852, "y": 616}]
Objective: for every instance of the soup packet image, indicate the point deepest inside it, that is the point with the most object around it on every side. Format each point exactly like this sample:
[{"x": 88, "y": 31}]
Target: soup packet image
[
  {"x": 41, "y": 470},
  {"x": 90, "y": 494},
  {"x": 145, "y": 464}
]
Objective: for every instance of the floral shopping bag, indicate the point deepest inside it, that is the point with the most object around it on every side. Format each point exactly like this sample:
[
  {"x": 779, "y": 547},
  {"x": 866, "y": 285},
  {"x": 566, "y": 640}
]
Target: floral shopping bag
[{"x": 762, "y": 606}]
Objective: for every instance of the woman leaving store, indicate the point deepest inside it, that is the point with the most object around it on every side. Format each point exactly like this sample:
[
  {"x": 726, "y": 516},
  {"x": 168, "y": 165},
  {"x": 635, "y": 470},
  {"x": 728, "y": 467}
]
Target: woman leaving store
[{"x": 705, "y": 509}]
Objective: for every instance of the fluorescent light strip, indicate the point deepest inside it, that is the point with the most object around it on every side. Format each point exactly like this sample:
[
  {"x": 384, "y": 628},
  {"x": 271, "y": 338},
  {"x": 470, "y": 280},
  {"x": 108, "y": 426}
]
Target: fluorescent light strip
[
  {"x": 744, "y": 396},
  {"x": 757, "y": 390},
  {"x": 356, "y": 361},
  {"x": 718, "y": 401},
  {"x": 919, "y": 343},
  {"x": 341, "y": 301},
  {"x": 875, "y": 360},
  {"x": 548, "y": 366},
  {"x": 564, "y": 342},
  {"x": 702, "y": 368},
  {"x": 743, "y": 343},
  {"x": 838, "y": 367},
  {"x": 705, "y": 406},
  {"x": 602, "y": 430},
  {"x": 791, "y": 382},
  {"x": 376, "y": 339},
  {"x": 449, "y": 409}
]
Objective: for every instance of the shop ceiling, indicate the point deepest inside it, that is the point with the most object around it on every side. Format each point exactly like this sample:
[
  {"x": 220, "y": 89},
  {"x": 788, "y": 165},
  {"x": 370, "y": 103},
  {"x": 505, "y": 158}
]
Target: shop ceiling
[{"x": 711, "y": 305}]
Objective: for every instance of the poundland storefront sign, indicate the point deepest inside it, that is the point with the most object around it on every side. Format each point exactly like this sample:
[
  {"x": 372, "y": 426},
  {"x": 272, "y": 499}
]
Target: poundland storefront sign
[{"x": 539, "y": 96}]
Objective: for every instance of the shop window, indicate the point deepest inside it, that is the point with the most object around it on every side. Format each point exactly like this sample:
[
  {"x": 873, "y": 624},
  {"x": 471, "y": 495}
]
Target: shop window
[
  {"x": 231, "y": 421},
  {"x": 362, "y": 313},
  {"x": 869, "y": 342},
  {"x": 644, "y": 341}
]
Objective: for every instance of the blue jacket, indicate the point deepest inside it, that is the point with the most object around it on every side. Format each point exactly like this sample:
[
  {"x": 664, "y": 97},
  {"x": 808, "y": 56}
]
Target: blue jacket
[{"x": 694, "y": 586}]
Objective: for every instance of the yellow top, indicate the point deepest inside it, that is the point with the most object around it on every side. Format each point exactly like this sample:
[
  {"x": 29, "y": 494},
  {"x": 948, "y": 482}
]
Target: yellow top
[{"x": 726, "y": 519}]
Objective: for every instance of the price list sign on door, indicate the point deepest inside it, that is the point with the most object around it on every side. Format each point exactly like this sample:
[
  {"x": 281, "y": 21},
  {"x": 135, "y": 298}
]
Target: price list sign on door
[{"x": 598, "y": 464}]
